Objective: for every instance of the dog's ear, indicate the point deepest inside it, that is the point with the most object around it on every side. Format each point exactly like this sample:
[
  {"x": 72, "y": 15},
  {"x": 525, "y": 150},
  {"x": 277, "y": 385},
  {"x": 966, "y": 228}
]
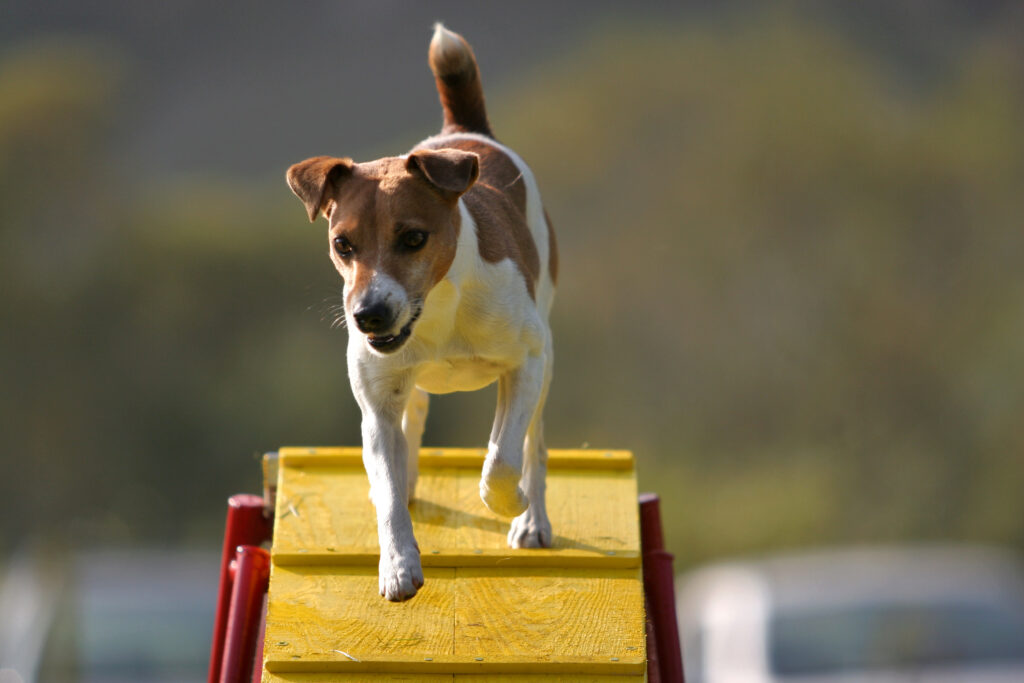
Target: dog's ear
[
  {"x": 451, "y": 171},
  {"x": 314, "y": 179}
]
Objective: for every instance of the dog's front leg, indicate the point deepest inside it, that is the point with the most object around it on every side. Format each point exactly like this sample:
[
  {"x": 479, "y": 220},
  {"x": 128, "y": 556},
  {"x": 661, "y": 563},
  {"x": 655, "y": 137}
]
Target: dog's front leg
[
  {"x": 382, "y": 398},
  {"x": 519, "y": 392}
]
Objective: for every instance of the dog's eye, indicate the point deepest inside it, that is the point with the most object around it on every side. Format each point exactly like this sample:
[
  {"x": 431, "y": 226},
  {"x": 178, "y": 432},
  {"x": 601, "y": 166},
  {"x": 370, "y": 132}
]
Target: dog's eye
[
  {"x": 343, "y": 247},
  {"x": 413, "y": 239}
]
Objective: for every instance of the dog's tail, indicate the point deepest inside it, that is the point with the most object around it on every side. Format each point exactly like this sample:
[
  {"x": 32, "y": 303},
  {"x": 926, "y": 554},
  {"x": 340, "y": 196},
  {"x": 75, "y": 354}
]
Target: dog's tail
[{"x": 458, "y": 83}]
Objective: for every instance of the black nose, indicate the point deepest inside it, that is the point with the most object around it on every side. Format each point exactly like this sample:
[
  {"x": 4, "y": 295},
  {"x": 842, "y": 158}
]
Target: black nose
[{"x": 373, "y": 318}]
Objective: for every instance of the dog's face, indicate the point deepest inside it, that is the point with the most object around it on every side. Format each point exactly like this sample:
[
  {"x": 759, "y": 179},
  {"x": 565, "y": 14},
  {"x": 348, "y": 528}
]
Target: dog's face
[{"x": 393, "y": 230}]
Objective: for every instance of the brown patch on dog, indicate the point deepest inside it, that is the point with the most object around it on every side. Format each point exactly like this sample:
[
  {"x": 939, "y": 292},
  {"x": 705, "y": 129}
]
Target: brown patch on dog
[
  {"x": 552, "y": 249},
  {"x": 497, "y": 203}
]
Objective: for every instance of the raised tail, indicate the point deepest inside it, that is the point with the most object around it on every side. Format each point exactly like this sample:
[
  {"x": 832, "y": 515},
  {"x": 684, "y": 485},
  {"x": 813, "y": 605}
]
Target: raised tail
[{"x": 458, "y": 83}]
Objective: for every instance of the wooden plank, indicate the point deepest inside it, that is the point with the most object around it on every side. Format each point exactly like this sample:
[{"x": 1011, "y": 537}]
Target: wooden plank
[
  {"x": 323, "y": 615},
  {"x": 548, "y": 616},
  {"x": 331, "y": 619},
  {"x": 458, "y": 457},
  {"x": 593, "y": 515},
  {"x": 319, "y": 508},
  {"x": 443, "y": 678},
  {"x": 359, "y": 556},
  {"x": 500, "y": 665},
  {"x": 487, "y": 613},
  {"x": 546, "y": 678},
  {"x": 324, "y": 517},
  {"x": 292, "y": 677}
]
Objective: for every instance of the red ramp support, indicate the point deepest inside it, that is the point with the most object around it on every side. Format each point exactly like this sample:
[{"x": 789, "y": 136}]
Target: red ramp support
[
  {"x": 251, "y": 576},
  {"x": 665, "y": 660},
  {"x": 246, "y": 526}
]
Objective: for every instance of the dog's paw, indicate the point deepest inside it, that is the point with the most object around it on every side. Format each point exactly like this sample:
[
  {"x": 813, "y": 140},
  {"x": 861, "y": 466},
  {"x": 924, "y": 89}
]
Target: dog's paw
[
  {"x": 499, "y": 489},
  {"x": 530, "y": 530},
  {"x": 400, "y": 576}
]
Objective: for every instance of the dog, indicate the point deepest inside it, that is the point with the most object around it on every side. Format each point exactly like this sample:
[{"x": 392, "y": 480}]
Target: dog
[{"x": 449, "y": 264}]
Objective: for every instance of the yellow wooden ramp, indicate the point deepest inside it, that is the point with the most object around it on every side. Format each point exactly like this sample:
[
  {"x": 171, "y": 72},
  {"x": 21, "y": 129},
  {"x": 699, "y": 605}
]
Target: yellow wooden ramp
[{"x": 572, "y": 613}]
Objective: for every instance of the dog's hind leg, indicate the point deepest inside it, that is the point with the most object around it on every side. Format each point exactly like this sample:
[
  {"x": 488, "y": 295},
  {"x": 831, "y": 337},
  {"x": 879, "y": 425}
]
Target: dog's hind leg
[
  {"x": 532, "y": 529},
  {"x": 519, "y": 393},
  {"x": 414, "y": 420}
]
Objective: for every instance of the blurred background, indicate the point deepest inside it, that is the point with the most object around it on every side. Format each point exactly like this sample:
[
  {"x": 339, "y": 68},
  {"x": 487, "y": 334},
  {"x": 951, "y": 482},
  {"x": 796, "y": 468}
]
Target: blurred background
[{"x": 790, "y": 235}]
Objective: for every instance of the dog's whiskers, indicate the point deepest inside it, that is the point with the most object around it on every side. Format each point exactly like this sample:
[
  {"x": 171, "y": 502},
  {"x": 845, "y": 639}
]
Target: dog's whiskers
[{"x": 332, "y": 311}]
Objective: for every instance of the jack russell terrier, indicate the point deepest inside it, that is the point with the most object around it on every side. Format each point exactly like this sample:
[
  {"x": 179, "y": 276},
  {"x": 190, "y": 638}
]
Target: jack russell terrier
[{"x": 449, "y": 263}]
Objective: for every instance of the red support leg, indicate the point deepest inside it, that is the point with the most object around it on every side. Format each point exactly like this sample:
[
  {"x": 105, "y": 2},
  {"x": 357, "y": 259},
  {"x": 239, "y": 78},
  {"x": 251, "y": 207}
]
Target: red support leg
[
  {"x": 246, "y": 525},
  {"x": 660, "y": 592},
  {"x": 252, "y": 574}
]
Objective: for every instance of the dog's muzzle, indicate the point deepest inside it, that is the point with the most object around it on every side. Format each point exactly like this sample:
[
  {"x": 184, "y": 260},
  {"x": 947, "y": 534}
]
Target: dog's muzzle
[{"x": 375, "y": 321}]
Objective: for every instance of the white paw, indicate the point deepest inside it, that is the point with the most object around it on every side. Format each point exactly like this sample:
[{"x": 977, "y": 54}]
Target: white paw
[
  {"x": 499, "y": 489},
  {"x": 530, "y": 530},
  {"x": 400, "y": 575}
]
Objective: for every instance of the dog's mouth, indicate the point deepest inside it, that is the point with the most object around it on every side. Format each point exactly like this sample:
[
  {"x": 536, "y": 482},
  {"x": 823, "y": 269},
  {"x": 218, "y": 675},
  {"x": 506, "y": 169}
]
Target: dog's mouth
[{"x": 389, "y": 343}]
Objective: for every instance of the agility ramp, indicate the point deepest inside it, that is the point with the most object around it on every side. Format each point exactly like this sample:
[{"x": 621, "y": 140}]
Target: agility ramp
[{"x": 573, "y": 613}]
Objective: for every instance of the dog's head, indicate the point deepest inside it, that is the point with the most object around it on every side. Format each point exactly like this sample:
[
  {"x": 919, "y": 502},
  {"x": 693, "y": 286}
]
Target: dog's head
[{"x": 393, "y": 230}]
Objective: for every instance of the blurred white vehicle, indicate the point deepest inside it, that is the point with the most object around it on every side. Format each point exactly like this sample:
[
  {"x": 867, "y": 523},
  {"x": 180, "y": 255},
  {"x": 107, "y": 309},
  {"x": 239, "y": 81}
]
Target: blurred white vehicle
[{"x": 930, "y": 614}]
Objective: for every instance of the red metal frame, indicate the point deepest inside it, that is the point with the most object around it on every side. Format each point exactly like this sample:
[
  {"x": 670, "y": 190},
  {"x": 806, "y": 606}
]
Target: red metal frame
[
  {"x": 252, "y": 575},
  {"x": 246, "y": 525},
  {"x": 664, "y": 655}
]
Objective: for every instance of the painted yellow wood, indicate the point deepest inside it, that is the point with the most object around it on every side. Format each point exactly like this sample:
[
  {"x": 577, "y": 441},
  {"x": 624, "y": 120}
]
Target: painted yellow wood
[
  {"x": 487, "y": 612},
  {"x": 569, "y": 558},
  {"x": 334, "y": 614},
  {"x": 462, "y": 621},
  {"x": 292, "y": 677},
  {"x": 324, "y": 516},
  {"x": 487, "y": 668},
  {"x": 593, "y": 515},
  {"x": 443, "y": 678},
  {"x": 546, "y": 678},
  {"x": 550, "y": 615},
  {"x": 459, "y": 457},
  {"x": 319, "y": 508}
]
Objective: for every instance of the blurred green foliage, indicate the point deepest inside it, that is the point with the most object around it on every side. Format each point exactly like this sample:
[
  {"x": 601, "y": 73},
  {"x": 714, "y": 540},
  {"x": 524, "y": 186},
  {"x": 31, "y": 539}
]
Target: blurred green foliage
[{"x": 791, "y": 282}]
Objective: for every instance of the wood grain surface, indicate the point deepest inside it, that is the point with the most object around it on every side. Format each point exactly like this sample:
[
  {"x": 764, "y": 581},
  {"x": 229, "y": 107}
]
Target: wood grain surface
[{"x": 571, "y": 613}]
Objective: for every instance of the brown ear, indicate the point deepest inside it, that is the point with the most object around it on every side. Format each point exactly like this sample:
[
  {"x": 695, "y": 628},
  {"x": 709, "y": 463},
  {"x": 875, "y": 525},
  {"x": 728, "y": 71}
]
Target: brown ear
[
  {"x": 313, "y": 179},
  {"x": 452, "y": 171}
]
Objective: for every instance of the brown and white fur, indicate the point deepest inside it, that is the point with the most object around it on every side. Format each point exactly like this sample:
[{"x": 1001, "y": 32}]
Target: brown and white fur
[{"x": 449, "y": 264}]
